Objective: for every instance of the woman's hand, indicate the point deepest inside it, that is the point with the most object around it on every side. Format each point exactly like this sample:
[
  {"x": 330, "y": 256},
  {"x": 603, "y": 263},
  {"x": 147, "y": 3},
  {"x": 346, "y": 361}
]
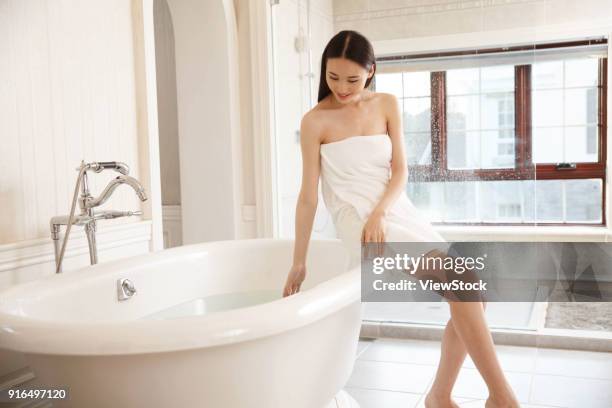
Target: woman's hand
[
  {"x": 374, "y": 231},
  {"x": 296, "y": 276}
]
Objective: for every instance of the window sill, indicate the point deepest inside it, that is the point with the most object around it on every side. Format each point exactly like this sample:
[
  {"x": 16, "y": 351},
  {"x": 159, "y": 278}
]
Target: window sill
[{"x": 525, "y": 233}]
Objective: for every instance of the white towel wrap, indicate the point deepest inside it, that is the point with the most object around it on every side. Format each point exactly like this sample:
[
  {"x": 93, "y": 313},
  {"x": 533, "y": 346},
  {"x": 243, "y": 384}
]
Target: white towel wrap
[{"x": 355, "y": 172}]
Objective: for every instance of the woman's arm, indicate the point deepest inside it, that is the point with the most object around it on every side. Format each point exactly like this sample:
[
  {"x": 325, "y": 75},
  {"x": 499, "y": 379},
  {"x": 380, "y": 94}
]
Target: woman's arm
[
  {"x": 309, "y": 191},
  {"x": 306, "y": 205}
]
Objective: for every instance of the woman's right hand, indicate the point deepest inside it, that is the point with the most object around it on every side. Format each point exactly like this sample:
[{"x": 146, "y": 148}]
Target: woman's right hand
[{"x": 296, "y": 276}]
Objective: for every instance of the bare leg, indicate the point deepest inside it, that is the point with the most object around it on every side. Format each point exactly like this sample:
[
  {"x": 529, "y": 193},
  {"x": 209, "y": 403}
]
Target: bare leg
[
  {"x": 467, "y": 332},
  {"x": 471, "y": 327},
  {"x": 453, "y": 353}
]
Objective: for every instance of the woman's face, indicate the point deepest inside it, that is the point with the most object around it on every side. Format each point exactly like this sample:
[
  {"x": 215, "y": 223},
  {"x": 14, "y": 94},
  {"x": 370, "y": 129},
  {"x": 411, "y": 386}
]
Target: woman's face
[{"x": 346, "y": 79}]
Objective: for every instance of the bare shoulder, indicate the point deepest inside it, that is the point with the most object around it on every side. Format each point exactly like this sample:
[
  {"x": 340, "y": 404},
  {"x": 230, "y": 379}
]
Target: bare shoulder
[
  {"x": 389, "y": 105},
  {"x": 310, "y": 127},
  {"x": 386, "y": 103},
  {"x": 389, "y": 101}
]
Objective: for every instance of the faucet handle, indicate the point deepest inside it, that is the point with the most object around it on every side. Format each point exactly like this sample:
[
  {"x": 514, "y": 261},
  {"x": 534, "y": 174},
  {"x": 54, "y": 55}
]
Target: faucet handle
[
  {"x": 114, "y": 165},
  {"x": 99, "y": 166},
  {"x": 108, "y": 215}
]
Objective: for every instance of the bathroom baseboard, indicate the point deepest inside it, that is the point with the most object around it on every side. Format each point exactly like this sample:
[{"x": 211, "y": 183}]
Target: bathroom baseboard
[
  {"x": 33, "y": 259},
  {"x": 173, "y": 228},
  {"x": 544, "y": 338}
]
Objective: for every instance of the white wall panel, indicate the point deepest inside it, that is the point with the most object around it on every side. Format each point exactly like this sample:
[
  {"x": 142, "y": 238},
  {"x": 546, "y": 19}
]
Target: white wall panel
[{"x": 67, "y": 93}]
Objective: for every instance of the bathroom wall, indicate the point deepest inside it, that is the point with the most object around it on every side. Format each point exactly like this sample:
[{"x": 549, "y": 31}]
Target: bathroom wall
[
  {"x": 68, "y": 92},
  {"x": 397, "y": 19}
]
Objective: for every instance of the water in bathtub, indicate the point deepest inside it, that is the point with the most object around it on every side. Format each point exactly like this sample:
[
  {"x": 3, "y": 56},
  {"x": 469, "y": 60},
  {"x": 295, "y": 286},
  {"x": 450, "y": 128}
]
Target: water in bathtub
[{"x": 215, "y": 303}]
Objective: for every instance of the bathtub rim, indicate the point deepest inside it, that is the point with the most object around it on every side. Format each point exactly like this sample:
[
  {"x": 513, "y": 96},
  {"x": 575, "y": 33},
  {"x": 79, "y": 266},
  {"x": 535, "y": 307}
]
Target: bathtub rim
[{"x": 24, "y": 333}]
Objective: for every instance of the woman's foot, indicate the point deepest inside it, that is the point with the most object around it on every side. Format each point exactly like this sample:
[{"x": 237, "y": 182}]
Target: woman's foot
[{"x": 437, "y": 401}]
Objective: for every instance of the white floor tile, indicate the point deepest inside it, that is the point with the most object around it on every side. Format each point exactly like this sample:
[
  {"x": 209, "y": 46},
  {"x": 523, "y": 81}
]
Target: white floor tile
[
  {"x": 571, "y": 392},
  {"x": 398, "y": 372},
  {"x": 512, "y": 358},
  {"x": 404, "y": 351},
  {"x": 471, "y": 385},
  {"x": 574, "y": 363},
  {"x": 391, "y": 376},
  {"x": 383, "y": 399}
]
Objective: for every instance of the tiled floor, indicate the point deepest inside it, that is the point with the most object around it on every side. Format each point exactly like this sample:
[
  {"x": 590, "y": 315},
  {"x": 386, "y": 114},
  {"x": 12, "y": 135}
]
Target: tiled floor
[
  {"x": 514, "y": 315},
  {"x": 392, "y": 373}
]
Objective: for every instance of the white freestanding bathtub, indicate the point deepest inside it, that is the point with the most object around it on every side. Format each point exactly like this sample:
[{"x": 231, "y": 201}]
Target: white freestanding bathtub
[{"x": 167, "y": 347}]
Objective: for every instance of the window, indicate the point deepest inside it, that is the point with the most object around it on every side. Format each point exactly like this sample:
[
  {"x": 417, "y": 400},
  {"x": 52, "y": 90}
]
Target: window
[
  {"x": 519, "y": 141},
  {"x": 564, "y": 95},
  {"x": 480, "y": 111}
]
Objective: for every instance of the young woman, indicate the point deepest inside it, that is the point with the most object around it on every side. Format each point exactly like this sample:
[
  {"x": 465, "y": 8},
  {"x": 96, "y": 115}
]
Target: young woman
[{"x": 353, "y": 138}]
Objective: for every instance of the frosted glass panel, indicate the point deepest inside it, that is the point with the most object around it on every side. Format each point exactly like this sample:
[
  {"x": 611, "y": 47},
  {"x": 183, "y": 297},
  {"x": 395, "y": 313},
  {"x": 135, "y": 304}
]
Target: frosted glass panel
[{"x": 583, "y": 200}]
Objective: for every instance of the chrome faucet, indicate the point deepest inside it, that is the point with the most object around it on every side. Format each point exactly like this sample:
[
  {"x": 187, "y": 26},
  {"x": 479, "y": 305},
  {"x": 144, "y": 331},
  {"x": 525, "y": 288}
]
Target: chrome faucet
[{"x": 87, "y": 203}]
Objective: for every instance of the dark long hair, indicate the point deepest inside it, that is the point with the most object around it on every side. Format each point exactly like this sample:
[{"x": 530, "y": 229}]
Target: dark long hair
[{"x": 350, "y": 45}]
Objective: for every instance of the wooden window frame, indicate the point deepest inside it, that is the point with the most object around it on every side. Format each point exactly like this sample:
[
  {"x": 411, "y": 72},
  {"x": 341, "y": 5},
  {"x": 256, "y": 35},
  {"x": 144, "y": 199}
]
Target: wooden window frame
[{"x": 524, "y": 169}]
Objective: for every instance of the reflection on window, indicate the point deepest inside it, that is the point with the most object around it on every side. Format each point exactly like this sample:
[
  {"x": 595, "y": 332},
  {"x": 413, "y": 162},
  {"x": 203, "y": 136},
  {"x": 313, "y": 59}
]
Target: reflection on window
[{"x": 483, "y": 143}]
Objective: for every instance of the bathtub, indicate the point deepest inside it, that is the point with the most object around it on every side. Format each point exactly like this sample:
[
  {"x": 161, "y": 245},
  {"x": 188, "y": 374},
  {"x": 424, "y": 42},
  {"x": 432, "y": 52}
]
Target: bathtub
[{"x": 162, "y": 348}]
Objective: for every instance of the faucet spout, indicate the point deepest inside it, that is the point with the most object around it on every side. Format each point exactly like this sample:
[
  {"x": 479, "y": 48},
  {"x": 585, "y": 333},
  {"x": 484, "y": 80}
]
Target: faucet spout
[
  {"x": 135, "y": 184},
  {"x": 114, "y": 183}
]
